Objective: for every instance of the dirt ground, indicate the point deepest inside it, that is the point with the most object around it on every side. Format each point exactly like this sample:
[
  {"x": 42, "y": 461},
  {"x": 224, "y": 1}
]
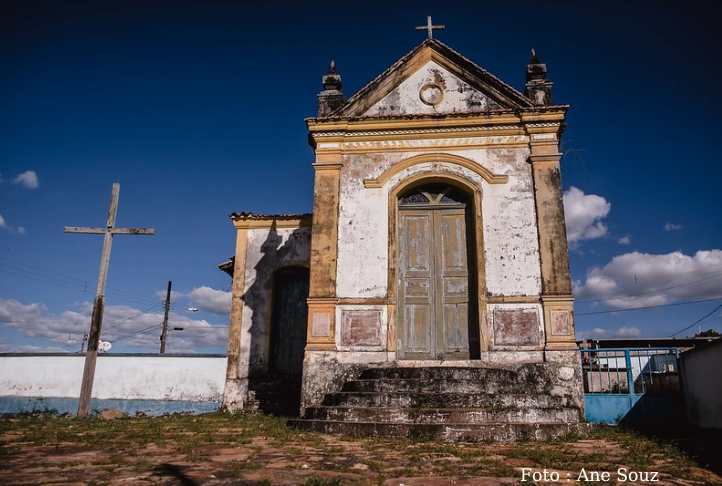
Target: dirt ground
[{"x": 260, "y": 450}]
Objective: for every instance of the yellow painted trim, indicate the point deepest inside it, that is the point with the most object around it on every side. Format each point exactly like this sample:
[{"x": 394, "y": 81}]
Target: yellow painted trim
[
  {"x": 337, "y": 141},
  {"x": 483, "y": 172},
  {"x": 258, "y": 223},
  {"x": 513, "y": 299},
  {"x": 557, "y": 298},
  {"x": 326, "y": 166},
  {"x": 555, "y": 304},
  {"x": 362, "y": 301},
  {"x": 233, "y": 371},
  {"x": 461, "y": 146}
]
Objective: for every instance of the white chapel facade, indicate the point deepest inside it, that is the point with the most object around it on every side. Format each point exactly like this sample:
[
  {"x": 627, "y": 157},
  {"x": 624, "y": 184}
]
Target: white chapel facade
[{"x": 437, "y": 236}]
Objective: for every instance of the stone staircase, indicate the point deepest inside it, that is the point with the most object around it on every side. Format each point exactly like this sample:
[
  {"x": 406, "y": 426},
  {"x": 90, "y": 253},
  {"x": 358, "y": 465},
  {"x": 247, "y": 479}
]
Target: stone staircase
[{"x": 448, "y": 403}]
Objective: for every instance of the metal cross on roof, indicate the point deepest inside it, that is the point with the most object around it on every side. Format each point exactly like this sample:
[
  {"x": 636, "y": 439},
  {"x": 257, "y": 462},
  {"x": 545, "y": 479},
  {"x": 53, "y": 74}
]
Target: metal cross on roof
[{"x": 429, "y": 27}]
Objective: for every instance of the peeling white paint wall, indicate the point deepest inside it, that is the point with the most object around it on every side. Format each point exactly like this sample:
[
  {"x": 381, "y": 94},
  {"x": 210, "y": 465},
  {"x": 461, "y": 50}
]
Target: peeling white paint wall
[
  {"x": 267, "y": 250},
  {"x": 508, "y": 215},
  {"x": 121, "y": 377},
  {"x": 459, "y": 96}
]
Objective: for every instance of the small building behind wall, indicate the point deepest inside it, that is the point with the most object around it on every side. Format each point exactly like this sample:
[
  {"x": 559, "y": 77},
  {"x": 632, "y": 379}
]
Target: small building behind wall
[{"x": 701, "y": 370}]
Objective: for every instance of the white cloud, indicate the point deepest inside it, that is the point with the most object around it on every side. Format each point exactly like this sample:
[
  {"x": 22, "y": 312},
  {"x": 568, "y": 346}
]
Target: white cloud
[
  {"x": 628, "y": 332},
  {"x": 672, "y": 227},
  {"x": 584, "y": 214},
  {"x": 120, "y": 326},
  {"x": 27, "y": 179},
  {"x": 625, "y": 240},
  {"x": 597, "y": 332},
  {"x": 174, "y": 295},
  {"x": 641, "y": 279},
  {"x": 211, "y": 300},
  {"x": 602, "y": 333},
  {"x": 4, "y": 225}
]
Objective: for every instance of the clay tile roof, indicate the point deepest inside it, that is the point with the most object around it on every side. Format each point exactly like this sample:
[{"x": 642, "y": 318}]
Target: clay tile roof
[{"x": 260, "y": 216}]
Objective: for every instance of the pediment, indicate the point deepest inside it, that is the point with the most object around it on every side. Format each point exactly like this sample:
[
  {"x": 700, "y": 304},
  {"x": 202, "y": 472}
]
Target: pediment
[
  {"x": 432, "y": 79},
  {"x": 433, "y": 90}
]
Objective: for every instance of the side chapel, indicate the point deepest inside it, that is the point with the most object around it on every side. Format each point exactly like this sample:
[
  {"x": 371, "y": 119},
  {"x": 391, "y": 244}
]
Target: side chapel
[{"x": 433, "y": 271}]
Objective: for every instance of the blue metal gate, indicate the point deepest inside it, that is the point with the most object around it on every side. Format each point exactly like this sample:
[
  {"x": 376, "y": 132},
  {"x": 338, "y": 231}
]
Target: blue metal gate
[{"x": 631, "y": 385}]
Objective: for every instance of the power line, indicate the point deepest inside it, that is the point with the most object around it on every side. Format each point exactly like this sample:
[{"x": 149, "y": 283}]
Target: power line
[
  {"x": 698, "y": 320},
  {"x": 204, "y": 328},
  {"x": 137, "y": 333},
  {"x": 647, "y": 307},
  {"x": 69, "y": 281}
]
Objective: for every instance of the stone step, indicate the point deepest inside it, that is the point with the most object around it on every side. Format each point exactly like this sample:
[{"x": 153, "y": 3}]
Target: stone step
[
  {"x": 491, "y": 415},
  {"x": 444, "y": 385},
  {"x": 452, "y": 373},
  {"x": 453, "y": 432},
  {"x": 446, "y": 400}
]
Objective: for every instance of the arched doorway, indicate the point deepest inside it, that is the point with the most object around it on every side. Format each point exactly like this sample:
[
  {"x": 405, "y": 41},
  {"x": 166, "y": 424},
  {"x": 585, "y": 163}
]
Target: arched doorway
[
  {"x": 436, "y": 262},
  {"x": 281, "y": 392},
  {"x": 288, "y": 320}
]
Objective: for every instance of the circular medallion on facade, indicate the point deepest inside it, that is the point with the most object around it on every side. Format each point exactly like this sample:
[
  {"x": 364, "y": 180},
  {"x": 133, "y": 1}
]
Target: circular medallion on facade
[{"x": 431, "y": 94}]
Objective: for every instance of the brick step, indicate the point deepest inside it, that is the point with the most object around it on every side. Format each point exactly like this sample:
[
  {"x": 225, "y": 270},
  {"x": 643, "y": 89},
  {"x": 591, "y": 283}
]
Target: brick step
[
  {"x": 446, "y": 400},
  {"x": 491, "y": 415},
  {"x": 454, "y": 432},
  {"x": 443, "y": 385}
]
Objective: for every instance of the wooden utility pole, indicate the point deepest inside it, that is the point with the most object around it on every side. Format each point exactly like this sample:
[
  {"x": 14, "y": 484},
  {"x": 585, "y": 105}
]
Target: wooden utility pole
[
  {"x": 96, "y": 320},
  {"x": 164, "y": 332}
]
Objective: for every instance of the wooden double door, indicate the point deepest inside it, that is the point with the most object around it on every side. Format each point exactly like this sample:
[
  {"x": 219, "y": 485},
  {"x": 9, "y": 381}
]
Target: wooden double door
[{"x": 434, "y": 284}]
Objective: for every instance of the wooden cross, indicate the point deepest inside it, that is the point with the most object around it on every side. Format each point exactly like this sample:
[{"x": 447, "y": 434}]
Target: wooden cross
[
  {"x": 429, "y": 27},
  {"x": 96, "y": 320}
]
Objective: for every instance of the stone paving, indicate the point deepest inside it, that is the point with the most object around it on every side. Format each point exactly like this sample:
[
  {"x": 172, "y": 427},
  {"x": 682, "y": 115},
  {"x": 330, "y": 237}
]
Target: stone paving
[{"x": 261, "y": 450}]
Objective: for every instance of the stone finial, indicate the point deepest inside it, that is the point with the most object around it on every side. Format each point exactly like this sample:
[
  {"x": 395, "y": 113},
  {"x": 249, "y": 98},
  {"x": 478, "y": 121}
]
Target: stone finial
[
  {"x": 538, "y": 88},
  {"x": 331, "y": 97}
]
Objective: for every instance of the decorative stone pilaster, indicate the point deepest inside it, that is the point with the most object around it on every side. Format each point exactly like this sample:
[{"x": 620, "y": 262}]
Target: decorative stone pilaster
[
  {"x": 559, "y": 322},
  {"x": 324, "y": 240},
  {"x": 557, "y": 299},
  {"x": 235, "y": 392}
]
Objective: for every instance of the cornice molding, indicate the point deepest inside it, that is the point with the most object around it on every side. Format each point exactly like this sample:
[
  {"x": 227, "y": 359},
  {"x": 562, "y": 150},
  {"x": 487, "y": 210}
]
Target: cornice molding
[
  {"x": 515, "y": 119},
  {"x": 416, "y": 131}
]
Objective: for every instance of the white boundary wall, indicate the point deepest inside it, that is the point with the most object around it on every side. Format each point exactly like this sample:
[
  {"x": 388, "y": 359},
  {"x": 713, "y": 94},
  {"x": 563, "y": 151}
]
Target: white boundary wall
[{"x": 125, "y": 377}]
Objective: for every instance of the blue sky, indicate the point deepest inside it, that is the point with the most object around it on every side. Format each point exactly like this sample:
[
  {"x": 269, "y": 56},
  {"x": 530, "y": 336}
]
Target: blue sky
[{"x": 197, "y": 109}]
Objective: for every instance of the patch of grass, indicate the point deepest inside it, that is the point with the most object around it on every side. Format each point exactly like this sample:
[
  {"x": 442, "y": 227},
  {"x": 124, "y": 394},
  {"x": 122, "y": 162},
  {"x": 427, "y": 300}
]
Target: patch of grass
[{"x": 129, "y": 446}]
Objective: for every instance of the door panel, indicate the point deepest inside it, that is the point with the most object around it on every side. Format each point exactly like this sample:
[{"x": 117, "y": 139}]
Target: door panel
[
  {"x": 452, "y": 279},
  {"x": 434, "y": 284},
  {"x": 419, "y": 334},
  {"x": 417, "y": 284}
]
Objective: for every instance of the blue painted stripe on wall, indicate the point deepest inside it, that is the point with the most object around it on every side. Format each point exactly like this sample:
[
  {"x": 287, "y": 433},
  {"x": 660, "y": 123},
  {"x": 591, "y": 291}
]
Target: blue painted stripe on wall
[{"x": 13, "y": 404}]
